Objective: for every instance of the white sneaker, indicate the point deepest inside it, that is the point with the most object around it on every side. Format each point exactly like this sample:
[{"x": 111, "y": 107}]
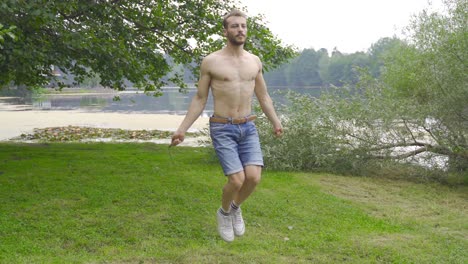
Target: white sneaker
[
  {"x": 225, "y": 227},
  {"x": 237, "y": 222}
]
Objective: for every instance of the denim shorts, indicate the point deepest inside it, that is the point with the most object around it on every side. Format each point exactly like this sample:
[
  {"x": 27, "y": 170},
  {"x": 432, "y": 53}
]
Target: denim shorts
[{"x": 236, "y": 146}]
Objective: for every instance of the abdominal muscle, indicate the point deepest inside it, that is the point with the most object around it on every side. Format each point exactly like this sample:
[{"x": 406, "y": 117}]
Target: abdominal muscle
[{"x": 232, "y": 99}]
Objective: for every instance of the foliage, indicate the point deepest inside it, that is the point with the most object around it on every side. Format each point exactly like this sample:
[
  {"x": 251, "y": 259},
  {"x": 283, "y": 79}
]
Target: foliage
[
  {"x": 6, "y": 32},
  {"x": 304, "y": 70},
  {"x": 431, "y": 73},
  {"x": 119, "y": 40},
  {"x": 343, "y": 69},
  {"x": 317, "y": 68},
  {"x": 74, "y": 133},
  {"x": 343, "y": 131},
  {"x": 415, "y": 113},
  {"x": 379, "y": 50},
  {"x": 134, "y": 203}
]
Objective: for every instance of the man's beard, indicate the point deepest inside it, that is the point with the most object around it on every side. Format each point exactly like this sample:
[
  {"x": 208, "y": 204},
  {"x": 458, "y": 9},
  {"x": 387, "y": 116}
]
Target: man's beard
[{"x": 234, "y": 41}]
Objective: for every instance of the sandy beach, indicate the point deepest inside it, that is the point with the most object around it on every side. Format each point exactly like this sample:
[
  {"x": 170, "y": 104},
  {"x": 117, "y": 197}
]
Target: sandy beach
[{"x": 15, "y": 120}]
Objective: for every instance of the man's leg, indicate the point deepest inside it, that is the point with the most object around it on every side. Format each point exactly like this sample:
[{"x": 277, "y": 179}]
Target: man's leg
[
  {"x": 252, "y": 178},
  {"x": 230, "y": 190}
]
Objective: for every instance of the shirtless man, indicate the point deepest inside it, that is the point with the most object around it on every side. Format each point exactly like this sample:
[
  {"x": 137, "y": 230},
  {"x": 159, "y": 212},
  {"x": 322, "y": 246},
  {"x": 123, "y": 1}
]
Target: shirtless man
[{"x": 233, "y": 75}]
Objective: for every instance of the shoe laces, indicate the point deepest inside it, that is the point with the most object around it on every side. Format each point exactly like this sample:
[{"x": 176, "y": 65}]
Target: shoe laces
[
  {"x": 226, "y": 221},
  {"x": 237, "y": 216}
]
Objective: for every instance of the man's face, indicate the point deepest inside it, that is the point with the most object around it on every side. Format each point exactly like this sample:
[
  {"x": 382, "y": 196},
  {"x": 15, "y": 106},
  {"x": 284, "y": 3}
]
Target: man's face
[{"x": 236, "y": 31}]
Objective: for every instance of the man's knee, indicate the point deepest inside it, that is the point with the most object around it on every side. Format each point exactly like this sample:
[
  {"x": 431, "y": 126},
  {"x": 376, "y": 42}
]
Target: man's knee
[
  {"x": 253, "y": 179},
  {"x": 236, "y": 180},
  {"x": 253, "y": 174}
]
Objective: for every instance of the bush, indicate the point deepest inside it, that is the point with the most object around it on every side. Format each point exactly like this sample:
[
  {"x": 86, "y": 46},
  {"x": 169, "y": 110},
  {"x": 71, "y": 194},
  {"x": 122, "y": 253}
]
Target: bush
[
  {"x": 309, "y": 142},
  {"x": 356, "y": 131}
]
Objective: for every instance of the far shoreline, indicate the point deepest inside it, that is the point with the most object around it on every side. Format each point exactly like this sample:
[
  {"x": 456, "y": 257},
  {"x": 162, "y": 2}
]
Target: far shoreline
[{"x": 16, "y": 121}]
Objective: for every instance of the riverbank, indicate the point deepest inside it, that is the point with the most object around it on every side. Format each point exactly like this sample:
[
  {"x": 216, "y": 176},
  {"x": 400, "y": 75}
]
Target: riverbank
[{"x": 17, "y": 120}]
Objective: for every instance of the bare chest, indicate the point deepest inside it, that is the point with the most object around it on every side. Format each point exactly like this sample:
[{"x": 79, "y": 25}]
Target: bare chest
[{"x": 234, "y": 71}]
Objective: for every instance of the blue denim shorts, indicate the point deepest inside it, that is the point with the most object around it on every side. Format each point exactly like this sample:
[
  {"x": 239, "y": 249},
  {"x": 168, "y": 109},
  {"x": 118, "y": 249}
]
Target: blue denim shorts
[{"x": 236, "y": 145}]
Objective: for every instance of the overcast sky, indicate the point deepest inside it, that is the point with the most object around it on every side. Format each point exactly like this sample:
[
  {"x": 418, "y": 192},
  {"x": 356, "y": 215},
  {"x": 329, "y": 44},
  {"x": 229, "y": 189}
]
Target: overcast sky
[{"x": 349, "y": 25}]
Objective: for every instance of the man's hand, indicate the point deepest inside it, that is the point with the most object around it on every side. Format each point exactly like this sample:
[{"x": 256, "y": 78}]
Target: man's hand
[
  {"x": 177, "y": 138},
  {"x": 278, "y": 131}
]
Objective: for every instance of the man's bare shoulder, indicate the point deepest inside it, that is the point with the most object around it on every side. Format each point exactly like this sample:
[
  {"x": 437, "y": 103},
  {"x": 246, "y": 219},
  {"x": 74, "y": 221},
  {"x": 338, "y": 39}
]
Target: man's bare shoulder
[
  {"x": 251, "y": 54},
  {"x": 212, "y": 56},
  {"x": 256, "y": 59},
  {"x": 208, "y": 61}
]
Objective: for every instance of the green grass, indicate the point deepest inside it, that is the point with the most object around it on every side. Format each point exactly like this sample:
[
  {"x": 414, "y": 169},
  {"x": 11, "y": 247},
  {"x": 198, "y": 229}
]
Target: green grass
[{"x": 144, "y": 203}]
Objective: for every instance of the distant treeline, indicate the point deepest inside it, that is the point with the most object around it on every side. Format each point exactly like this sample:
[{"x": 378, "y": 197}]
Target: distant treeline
[{"x": 319, "y": 68}]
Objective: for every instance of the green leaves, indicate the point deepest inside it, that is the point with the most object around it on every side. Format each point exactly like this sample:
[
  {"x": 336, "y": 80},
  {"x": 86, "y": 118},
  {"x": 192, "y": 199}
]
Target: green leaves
[
  {"x": 7, "y": 32},
  {"x": 415, "y": 113},
  {"x": 117, "y": 40}
]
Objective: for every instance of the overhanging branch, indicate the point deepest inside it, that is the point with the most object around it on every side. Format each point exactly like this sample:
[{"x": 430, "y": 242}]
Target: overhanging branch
[{"x": 152, "y": 29}]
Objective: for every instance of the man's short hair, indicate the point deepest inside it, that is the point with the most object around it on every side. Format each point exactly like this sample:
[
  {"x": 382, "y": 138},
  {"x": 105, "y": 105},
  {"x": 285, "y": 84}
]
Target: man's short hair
[{"x": 234, "y": 12}]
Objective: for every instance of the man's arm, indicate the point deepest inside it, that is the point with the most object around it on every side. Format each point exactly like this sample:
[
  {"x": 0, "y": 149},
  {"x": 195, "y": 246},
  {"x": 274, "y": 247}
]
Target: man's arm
[
  {"x": 196, "y": 106},
  {"x": 266, "y": 103}
]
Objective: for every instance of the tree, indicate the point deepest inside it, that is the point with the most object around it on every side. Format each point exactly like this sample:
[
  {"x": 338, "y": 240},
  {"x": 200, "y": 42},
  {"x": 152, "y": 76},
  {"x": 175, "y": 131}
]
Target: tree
[
  {"x": 117, "y": 39},
  {"x": 323, "y": 65},
  {"x": 343, "y": 68},
  {"x": 431, "y": 72},
  {"x": 415, "y": 112},
  {"x": 277, "y": 77},
  {"x": 379, "y": 50},
  {"x": 304, "y": 69}
]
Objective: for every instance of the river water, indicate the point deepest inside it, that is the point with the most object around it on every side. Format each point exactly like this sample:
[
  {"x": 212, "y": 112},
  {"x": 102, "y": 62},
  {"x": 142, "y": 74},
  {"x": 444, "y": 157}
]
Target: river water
[{"x": 171, "y": 102}]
